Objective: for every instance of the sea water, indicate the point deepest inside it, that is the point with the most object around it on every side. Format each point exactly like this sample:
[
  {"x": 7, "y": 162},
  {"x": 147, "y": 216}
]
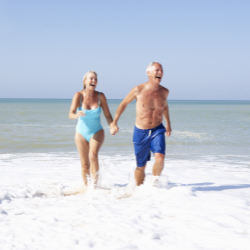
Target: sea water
[
  {"x": 202, "y": 201},
  {"x": 199, "y": 127}
]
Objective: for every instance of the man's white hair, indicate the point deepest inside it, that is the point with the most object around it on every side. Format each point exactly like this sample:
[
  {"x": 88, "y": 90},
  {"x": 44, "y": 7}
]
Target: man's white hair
[{"x": 149, "y": 67}]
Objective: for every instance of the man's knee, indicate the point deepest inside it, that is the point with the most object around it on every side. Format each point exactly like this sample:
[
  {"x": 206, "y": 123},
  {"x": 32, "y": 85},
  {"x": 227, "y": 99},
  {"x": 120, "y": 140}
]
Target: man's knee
[
  {"x": 159, "y": 158},
  {"x": 140, "y": 169}
]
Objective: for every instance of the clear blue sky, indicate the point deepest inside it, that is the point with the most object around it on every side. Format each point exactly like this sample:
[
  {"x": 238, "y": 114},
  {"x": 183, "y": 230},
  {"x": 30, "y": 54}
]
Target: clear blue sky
[{"x": 47, "y": 46}]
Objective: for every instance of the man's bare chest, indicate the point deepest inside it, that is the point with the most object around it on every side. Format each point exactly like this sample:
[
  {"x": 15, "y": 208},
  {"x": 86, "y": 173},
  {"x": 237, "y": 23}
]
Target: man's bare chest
[{"x": 151, "y": 100}]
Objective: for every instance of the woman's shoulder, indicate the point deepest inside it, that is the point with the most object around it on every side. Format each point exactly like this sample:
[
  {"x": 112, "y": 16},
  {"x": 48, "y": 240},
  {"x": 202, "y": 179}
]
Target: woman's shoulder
[
  {"x": 100, "y": 93},
  {"x": 102, "y": 96},
  {"x": 77, "y": 95}
]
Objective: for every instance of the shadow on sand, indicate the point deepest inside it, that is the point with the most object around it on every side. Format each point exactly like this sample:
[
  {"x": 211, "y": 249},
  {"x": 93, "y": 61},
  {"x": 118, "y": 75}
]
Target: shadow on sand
[
  {"x": 221, "y": 188},
  {"x": 206, "y": 186}
]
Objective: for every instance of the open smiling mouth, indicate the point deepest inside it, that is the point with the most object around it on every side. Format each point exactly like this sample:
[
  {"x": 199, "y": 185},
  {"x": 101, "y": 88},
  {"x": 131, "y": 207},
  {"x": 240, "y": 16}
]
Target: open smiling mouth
[
  {"x": 93, "y": 85},
  {"x": 158, "y": 77}
]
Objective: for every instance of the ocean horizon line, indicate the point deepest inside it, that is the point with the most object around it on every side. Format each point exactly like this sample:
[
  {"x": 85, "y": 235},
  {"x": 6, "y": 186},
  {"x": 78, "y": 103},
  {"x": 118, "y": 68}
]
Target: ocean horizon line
[{"x": 31, "y": 98}]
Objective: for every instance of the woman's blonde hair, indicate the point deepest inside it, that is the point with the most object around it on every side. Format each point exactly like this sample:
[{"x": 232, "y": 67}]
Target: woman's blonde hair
[{"x": 85, "y": 76}]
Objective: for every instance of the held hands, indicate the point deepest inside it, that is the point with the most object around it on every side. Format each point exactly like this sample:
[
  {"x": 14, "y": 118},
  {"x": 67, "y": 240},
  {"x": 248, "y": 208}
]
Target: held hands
[
  {"x": 113, "y": 128},
  {"x": 80, "y": 114}
]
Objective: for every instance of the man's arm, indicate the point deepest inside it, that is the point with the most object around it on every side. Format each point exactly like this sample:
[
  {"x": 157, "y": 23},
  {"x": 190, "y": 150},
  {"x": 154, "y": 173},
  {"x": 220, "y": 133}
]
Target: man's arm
[
  {"x": 167, "y": 118},
  {"x": 128, "y": 99}
]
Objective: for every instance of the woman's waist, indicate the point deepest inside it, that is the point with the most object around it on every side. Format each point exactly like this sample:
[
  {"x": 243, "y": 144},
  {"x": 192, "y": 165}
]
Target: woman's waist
[{"x": 89, "y": 122}]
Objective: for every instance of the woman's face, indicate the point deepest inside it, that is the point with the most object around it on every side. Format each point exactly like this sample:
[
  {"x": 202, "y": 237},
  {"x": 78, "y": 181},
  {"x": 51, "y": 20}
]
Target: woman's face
[{"x": 91, "y": 81}]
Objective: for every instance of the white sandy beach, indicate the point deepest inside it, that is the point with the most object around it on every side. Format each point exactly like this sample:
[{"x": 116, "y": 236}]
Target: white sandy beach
[{"x": 203, "y": 205}]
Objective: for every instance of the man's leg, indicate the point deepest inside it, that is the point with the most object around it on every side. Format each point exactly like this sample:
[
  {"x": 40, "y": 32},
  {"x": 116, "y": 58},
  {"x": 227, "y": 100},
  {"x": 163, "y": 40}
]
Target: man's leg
[
  {"x": 156, "y": 171},
  {"x": 142, "y": 152},
  {"x": 157, "y": 167},
  {"x": 159, "y": 164},
  {"x": 140, "y": 175}
]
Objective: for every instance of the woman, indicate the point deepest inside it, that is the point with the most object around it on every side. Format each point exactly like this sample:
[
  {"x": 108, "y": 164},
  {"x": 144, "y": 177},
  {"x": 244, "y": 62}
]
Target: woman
[{"x": 86, "y": 107}]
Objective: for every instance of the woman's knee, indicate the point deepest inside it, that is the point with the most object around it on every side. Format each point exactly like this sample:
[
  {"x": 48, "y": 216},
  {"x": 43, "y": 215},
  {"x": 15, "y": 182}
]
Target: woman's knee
[
  {"x": 93, "y": 156},
  {"x": 85, "y": 166}
]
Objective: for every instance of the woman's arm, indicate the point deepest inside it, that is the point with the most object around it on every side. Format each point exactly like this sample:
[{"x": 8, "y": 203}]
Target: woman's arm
[
  {"x": 74, "y": 106},
  {"x": 105, "y": 108}
]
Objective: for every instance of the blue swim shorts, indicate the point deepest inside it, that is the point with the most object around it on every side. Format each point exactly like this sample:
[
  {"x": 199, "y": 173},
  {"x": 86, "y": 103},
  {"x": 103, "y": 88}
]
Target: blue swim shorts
[{"x": 146, "y": 140}]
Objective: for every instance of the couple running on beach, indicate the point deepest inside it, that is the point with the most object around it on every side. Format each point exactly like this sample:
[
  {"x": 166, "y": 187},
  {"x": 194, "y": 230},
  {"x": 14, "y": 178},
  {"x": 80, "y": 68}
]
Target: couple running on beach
[{"x": 151, "y": 107}]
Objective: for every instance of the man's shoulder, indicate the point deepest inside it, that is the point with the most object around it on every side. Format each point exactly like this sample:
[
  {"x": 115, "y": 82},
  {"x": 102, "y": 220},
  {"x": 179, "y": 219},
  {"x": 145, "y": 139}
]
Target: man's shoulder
[
  {"x": 137, "y": 89},
  {"x": 163, "y": 90}
]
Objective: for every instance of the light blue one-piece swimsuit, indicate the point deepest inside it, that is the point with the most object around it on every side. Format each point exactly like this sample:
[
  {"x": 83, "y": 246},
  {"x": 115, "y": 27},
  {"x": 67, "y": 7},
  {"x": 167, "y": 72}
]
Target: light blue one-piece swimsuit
[{"x": 89, "y": 124}]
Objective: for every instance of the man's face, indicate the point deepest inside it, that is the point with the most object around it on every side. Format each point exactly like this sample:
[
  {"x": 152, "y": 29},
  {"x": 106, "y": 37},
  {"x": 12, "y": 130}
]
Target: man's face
[{"x": 156, "y": 72}]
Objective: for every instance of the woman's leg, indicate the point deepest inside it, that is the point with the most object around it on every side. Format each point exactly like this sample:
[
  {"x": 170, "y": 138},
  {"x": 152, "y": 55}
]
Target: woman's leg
[
  {"x": 95, "y": 144},
  {"x": 83, "y": 149}
]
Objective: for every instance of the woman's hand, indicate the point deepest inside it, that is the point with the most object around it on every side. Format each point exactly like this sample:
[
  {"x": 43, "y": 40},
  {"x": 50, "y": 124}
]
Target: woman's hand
[
  {"x": 80, "y": 114},
  {"x": 113, "y": 128},
  {"x": 112, "y": 131}
]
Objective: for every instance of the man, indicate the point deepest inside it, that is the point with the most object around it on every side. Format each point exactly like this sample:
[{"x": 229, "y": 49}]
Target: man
[{"x": 151, "y": 106}]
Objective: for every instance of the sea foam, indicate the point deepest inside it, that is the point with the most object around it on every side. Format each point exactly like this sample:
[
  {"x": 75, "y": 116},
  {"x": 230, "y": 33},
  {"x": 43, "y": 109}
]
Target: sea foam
[{"x": 195, "y": 204}]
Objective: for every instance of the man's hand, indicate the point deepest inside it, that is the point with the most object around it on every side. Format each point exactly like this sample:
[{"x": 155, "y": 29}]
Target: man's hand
[
  {"x": 168, "y": 131},
  {"x": 113, "y": 128}
]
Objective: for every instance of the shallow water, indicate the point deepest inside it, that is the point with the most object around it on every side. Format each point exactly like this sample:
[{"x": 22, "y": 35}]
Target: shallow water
[{"x": 199, "y": 127}]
